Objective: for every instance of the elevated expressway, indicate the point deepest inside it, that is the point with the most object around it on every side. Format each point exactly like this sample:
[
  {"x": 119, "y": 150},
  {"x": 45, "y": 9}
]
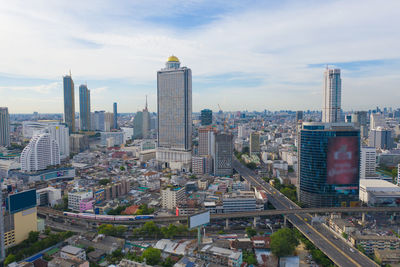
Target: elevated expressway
[{"x": 337, "y": 250}]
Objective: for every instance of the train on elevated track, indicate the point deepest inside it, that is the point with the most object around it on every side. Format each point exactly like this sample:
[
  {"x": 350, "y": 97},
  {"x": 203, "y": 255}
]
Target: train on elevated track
[{"x": 108, "y": 217}]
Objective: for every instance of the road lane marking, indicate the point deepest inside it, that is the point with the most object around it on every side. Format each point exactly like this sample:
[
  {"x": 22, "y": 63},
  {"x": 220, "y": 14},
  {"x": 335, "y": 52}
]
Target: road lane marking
[{"x": 315, "y": 230}]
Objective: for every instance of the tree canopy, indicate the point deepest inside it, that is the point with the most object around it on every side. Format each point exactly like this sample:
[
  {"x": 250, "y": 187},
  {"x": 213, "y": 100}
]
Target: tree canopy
[
  {"x": 152, "y": 256},
  {"x": 283, "y": 242}
]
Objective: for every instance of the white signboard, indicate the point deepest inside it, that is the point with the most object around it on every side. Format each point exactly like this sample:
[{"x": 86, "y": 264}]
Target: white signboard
[{"x": 199, "y": 219}]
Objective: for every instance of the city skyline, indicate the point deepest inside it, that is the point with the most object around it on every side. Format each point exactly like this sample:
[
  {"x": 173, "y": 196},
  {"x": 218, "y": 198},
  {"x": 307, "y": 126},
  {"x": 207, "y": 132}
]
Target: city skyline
[{"x": 272, "y": 55}]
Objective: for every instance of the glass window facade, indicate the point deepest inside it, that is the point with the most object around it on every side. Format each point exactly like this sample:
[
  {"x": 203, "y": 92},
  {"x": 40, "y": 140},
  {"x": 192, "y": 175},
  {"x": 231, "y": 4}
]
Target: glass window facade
[{"x": 315, "y": 156}]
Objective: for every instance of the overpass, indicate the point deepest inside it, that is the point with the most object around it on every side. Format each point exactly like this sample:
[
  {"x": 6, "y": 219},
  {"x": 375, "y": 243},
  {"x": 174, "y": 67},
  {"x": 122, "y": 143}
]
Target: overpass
[
  {"x": 236, "y": 215},
  {"x": 337, "y": 250}
]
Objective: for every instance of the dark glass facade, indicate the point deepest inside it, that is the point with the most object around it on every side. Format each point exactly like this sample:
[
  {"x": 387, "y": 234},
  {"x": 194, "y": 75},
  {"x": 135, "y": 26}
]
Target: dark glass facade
[
  {"x": 319, "y": 147},
  {"x": 206, "y": 117}
]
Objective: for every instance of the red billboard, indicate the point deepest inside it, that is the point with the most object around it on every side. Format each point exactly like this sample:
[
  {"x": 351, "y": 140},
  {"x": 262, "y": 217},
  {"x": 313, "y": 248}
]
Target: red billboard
[{"x": 342, "y": 160}]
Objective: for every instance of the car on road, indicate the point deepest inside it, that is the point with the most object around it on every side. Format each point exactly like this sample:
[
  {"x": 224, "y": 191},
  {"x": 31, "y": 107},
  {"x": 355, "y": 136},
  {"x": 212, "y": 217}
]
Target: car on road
[{"x": 352, "y": 250}]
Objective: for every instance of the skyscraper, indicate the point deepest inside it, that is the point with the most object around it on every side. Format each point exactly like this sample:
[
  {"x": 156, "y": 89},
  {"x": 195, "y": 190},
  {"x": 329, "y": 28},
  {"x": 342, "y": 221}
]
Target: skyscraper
[
  {"x": 115, "y": 126},
  {"x": 328, "y": 164},
  {"x": 41, "y": 152},
  {"x": 332, "y": 111},
  {"x": 223, "y": 154},
  {"x": 174, "y": 109},
  {"x": 4, "y": 127},
  {"x": 141, "y": 124},
  {"x": 255, "y": 143},
  {"x": 206, "y": 117},
  {"x": 84, "y": 108},
  {"x": 299, "y": 115},
  {"x": 381, "y": 138},
  {"x": 69, "y": 102}
]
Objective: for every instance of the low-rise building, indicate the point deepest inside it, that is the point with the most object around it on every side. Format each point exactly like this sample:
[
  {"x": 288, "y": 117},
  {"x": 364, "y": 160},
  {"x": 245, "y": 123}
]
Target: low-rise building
[
  {"x": 239, "y": 202},
  {"x": 387, "y": 256},
  {"x": 372, "y": 242},
  {"x": 75, "y": 198},
  {"x": 221, "y": 256},
  {"x": 376, "y": 192},
  {"x": 128, "y": 263},
  {"x": 341, "y": 226},
  {"x": 72, "y": 253}
]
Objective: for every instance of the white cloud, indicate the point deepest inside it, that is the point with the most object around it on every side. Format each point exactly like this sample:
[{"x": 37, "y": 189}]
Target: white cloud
[{"x": 102, "y": 40}]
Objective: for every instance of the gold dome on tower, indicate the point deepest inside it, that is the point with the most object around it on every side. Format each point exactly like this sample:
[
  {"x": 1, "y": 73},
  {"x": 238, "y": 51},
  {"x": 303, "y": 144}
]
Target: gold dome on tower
[{"x": 173, "y": 59}]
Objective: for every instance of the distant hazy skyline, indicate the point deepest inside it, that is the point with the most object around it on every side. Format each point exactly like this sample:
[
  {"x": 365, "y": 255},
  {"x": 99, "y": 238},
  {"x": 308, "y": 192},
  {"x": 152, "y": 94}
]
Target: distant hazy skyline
[{"x": 244, "y": 55}]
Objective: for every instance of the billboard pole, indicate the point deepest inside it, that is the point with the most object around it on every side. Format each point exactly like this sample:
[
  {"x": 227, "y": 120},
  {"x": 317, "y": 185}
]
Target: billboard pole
[{"x": 198, "y": 237}]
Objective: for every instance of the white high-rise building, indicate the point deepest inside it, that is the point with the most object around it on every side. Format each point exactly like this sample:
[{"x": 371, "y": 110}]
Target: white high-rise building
[
  {"x": 367, "y": 163},
  {"x": 60, "y": 133},
  {"x": 331, "y": 111},
  {"x": 377, "y": 120},
  {"x": 174, "y": 109},
  {"x": 41, "y": 152}
]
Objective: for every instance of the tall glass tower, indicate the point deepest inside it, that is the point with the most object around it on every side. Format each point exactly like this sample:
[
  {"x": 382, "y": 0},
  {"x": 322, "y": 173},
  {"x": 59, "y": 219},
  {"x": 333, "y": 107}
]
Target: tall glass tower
[
  {"x": 332, "y": 111},
  {"x": 174, "y": 106},
  {"x": 115, "y": 126},
  {"x": 4, "y": 127},
  {"x": 84, "y": 108},
  {"x": 329, "y": 164},
  {"x": 69, "y": 102}
]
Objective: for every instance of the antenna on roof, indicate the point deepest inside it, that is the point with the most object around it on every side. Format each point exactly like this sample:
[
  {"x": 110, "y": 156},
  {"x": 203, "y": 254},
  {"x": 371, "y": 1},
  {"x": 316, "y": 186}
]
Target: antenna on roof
[{"x": 70, "y": 72}]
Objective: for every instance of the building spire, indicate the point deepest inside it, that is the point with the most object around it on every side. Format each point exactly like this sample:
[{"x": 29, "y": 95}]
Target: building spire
[{"x": 146, "y": 104}]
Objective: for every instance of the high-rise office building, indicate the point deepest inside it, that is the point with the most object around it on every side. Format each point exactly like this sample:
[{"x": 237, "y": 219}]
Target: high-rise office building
[
  {"x": 328, "y": 164},
  {"x": 115, "y": 113},
  {"x": 381, "y": 138},
  {"x": 223, "y": 154},
  {"x": 41, "y": 152},
  {"x": 174, "y": 109},
  {"x": 377, "y": 120},
  {"x": 141, "y": 124},
  {"x": 206, "y": 117},
  {"x": 359, "y": 118},
  {"x": 84, "y": 108},
  {"x": 69, "y": 102},
  {"x": 299, "y": 115},
  {"x": 4, "y": 127},
  {"x": 331, "y": 111},
  {"x": 368, "y": 163},
  {"x": 103, "y": 121},
  {"x": 255, "y": 143},
  {"x": 206, "y": 141}
]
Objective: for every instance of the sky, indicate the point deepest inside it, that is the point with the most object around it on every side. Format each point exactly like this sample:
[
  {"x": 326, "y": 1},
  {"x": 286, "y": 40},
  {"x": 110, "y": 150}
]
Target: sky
[{"x": 244, "y": 55}]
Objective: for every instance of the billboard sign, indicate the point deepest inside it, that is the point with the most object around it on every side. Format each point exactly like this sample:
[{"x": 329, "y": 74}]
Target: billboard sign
[
  {"x": 22, "y": 201},
  {"x": 342, "y": 160},
  {"x": 199, "y": 219}
]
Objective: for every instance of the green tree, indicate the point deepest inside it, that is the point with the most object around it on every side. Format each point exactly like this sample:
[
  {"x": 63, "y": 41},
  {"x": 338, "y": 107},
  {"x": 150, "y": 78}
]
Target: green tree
[
  {"x": 251, "y": 232},
  {"x": 9, "y": 259},
  {"x": 150, "y": 229},
  {"x": 283, "y": 242},
  {"x": 89, "y": 249},
  {"x": 249, "y": 258},
  {"x": 33, "y": 236},
  {"x": 104, "y": 181},
  {"x": 168, "y": 262},
  {"x": 152, "y": 256},
  {"x": 344, "y": 235},
  {"x": 122, "y": 168},
  {"x": 144, "y": 210}
]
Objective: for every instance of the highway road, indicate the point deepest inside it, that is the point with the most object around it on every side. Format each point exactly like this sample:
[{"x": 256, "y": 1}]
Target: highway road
[{"x": 336, "y": 249}]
